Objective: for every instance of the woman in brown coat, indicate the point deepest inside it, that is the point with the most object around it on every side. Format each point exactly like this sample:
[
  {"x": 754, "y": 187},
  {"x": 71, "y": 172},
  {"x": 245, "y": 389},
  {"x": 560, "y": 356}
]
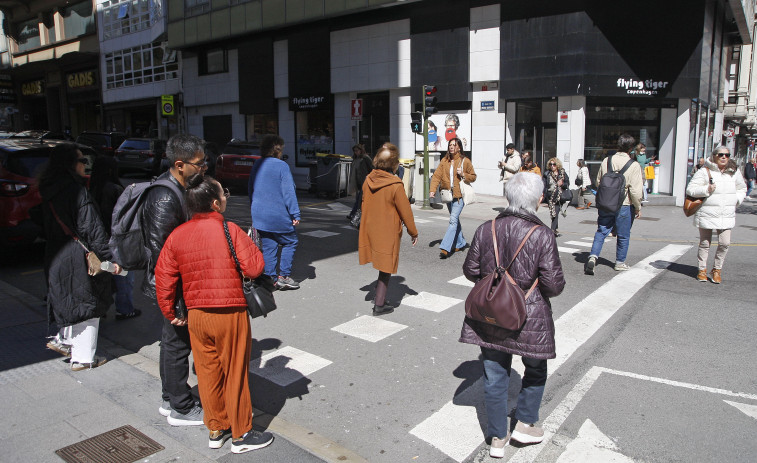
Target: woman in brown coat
[
  {"x": 535, "y": 341},
  {"x": 453, "y": 169},
  {"x": 385, "y": 208}
]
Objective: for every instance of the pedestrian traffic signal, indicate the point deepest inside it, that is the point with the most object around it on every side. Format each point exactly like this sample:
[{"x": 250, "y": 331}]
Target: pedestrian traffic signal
[
  {"x": 429, "y": 101},
  {"x": 417, "y": 122}
]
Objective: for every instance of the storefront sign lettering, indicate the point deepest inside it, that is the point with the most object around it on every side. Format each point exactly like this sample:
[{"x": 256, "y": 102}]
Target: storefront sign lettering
[
  {"x": 308, "y": 102},
  {"x": 32, "y": 88},
  {"x": 641, "y": 87},
  {"x": 81, "y": 79}
]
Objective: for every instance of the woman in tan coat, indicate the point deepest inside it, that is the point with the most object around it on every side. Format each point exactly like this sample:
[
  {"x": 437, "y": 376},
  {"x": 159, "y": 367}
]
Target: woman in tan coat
[
  {"x": 385, "y": 208},
  {"x": 453, "y": 169}
]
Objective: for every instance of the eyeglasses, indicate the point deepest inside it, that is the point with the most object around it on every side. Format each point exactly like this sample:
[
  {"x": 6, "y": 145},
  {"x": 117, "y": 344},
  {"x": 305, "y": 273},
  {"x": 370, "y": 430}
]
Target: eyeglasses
[
  {"x": 728, "y": 155},
  {"x": 226, "y": 193},
  {"x": 199, "y": 165}
]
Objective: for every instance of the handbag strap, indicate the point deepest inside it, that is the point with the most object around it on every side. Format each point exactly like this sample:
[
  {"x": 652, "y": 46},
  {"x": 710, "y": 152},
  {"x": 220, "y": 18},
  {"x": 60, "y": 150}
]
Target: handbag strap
[
  {"x": 67, "y": 230},
  {"x": 233, "y": 251}
]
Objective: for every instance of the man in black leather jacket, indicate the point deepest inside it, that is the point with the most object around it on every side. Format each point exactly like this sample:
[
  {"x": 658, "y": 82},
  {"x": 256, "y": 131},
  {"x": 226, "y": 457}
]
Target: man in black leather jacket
[{"x": 162, "y": 212}]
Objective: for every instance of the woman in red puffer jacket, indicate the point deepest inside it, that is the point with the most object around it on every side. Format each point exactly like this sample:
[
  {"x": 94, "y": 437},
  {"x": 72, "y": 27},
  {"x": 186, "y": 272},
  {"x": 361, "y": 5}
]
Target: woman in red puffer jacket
[{"x": 197, "y": 255}]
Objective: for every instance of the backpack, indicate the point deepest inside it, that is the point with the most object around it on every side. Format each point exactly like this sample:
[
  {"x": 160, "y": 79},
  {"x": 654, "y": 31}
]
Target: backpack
[
  {"x": 127, "y": 242},
  {"x": 611, "y": 191}
]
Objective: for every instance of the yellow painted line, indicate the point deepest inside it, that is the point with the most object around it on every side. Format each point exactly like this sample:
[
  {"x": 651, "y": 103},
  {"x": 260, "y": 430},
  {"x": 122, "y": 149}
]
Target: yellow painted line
[{"x": 32, "y": 272}]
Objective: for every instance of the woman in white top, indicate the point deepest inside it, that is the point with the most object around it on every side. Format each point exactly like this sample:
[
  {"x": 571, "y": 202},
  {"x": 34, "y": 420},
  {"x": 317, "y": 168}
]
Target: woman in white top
[
  {"x": 583, "y": 182},
  {"x": 722, "y": 186}
]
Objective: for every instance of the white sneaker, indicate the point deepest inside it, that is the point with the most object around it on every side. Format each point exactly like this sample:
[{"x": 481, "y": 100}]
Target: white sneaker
[
  {"x": 527, "y": 433},
  {"x": 497, "y": 449},
  {"x": 621, "y": 266}
]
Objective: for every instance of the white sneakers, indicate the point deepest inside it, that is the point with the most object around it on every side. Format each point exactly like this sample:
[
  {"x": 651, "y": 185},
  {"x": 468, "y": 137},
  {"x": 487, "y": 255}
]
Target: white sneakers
[
  {"x": 497, "y": 449},
  {"x": 527, "y": 433}
]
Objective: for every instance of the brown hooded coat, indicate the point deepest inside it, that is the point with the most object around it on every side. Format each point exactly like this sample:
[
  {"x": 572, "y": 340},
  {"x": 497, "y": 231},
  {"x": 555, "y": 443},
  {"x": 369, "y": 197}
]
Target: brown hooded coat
[{"x": 385, "y": 208}]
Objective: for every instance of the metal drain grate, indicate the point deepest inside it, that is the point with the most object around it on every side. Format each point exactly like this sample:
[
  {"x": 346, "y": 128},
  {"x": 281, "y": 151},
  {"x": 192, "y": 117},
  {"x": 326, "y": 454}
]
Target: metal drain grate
[{"x": 120, "y": 445}]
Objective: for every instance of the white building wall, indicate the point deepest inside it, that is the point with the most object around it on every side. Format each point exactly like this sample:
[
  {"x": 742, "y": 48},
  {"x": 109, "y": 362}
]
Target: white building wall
[
  {"x": 484, "y": 44},
  {"x": 281, "y": 69},
  {"x": 665, "y": 151},
  {"x": 400, "y": 108},
  {"x": 571, "y": 135},
  {"x": 681, "y": 154}
]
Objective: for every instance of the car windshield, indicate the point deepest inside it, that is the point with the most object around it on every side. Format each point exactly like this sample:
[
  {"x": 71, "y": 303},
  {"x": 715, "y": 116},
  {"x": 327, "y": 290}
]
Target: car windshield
[
  {"x": 26, "y": 163},
  {"x": 244, "y": 150},
  {"x": 135, "y": 145}
]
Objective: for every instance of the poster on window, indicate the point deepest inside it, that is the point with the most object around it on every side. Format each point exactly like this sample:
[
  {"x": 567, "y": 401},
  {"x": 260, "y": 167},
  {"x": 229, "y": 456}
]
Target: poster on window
[{"x": 443, "y": 127}]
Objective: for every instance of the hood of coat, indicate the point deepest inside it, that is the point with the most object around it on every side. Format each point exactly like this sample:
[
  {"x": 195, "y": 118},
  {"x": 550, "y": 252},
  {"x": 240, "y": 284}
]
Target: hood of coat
[
  {"x": 379, "y": 179},
  {"x": 730, "y": 168}
]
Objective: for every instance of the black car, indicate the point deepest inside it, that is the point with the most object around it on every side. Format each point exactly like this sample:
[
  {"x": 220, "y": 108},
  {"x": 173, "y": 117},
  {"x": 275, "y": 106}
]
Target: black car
[
  {"x": 102, "y": 142},
  {"x": 141, "y": 154}
]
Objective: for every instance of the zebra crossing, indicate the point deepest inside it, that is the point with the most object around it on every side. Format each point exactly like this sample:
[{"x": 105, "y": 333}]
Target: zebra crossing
[{"x": 453, "y": 429}]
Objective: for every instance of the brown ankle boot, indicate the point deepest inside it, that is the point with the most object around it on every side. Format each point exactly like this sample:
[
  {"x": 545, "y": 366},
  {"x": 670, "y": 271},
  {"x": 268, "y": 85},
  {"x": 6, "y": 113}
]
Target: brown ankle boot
[
  {"x": 716, "y": 276},
  {"x": 702, "y": 275}
]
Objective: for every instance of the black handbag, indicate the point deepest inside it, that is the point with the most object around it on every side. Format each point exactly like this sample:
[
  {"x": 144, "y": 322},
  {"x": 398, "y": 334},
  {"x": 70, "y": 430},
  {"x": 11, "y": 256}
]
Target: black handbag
[
  {"x": 566, "y": 196},
  {"x": 258, "y": 292}
]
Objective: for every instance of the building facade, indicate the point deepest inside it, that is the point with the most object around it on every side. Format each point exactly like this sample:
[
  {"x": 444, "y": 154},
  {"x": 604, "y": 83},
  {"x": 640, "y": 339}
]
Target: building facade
[{"x": 563, "y": 80}]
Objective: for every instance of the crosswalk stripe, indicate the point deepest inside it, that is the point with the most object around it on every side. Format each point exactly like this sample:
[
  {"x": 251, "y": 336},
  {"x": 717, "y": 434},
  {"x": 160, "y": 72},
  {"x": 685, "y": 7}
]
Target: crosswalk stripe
[
  {"x": 369, "y": 328},
  {"x": 579, "y": 243},
  {"x": 462, "y": 281},
  {"x": 568, "y": 250},
  {"x": 572, "y": 330},
  {"x": 430, "y": 301},
  {"x": 319, "y": 233},
  {"x": 287, "y": 365}
]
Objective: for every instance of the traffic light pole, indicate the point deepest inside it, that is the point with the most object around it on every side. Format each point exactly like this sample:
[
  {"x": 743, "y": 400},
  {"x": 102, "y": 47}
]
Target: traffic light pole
[{"x": 426, "y": 166}]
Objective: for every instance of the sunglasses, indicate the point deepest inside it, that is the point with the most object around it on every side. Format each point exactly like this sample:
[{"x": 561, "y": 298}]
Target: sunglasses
[
  {"x": 84, "y": 161},
  {"x": 728, "y": 155},
  {"x": 551, "y": 164},
  {"x": 199, "y": 165}
]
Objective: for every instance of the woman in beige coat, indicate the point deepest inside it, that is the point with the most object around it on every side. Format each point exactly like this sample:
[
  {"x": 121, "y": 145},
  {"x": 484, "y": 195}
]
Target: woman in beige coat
[
  {"x": 385, "y": 208},
  {"x": 453, "y": 169}
]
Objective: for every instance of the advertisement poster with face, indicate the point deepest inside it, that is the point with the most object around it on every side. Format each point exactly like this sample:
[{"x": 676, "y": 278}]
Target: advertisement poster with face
[{"x": 443, "y": 127}]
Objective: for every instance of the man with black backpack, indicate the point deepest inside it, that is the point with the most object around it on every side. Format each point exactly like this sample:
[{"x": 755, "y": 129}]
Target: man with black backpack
[
  {"x": 161, "y": 212},
  {"x": 619, "y": 193}
]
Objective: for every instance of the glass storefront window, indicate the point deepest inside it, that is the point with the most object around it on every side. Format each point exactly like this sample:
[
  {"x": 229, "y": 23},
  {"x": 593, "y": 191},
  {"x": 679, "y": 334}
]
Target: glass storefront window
[
  {"x": 27, "y": 35},
  {"x": 604, "y": 124},
  {"x": 261, "y": 124},
  {"x": 78, "y": 19},
  {"x": 315, "y": 134}
]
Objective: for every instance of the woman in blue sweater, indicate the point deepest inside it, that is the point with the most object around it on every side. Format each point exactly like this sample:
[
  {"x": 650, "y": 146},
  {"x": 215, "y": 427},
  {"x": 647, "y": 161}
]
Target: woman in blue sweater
[{"x": 274, "y": 210}]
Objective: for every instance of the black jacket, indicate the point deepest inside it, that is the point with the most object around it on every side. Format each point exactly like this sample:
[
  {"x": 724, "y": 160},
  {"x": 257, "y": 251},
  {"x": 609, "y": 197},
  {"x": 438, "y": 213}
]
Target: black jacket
[
  {"x": 362, "y": 169},
  {"x": 749, "y": 171},
  {"x": 72, "y": 295},
  {"x": 161, "y": 214}
]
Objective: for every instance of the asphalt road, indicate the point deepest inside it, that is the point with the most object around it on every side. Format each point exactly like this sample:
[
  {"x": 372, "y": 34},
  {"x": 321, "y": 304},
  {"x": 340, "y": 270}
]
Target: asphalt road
[{"x": 652, "y": 365}]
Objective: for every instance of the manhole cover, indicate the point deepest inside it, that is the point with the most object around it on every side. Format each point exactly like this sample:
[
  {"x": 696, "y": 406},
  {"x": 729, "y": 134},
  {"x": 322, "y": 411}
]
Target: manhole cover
[{"x": 120, "y": 445}]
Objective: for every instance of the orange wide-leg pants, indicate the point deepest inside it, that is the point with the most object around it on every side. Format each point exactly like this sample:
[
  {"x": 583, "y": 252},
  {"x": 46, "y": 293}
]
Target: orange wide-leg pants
[{"x": 220, "y": 339}]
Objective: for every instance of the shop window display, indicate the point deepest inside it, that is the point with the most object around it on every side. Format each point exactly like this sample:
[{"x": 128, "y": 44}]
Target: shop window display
[
  {"x": 315, "y": 134},
  {"x": 261, "y": 124}
]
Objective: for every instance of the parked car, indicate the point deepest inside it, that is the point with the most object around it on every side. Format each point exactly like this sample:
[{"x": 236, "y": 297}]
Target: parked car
[
  {"x": 102, "y": 142},
  {"x": 42, "y": 135},
  {"x": 141, "y": 154},
  {"x": 21, "y": 162},
  {"x": 235, "y": 162}
]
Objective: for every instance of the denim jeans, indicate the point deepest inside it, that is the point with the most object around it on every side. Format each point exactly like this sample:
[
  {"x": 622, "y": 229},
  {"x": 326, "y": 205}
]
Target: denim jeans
[
  {"x": 271, "y": 242},
  {"x": 621, "y": 221},
  {"x": 358, "y": 202},
  {"x": 174, "y": 366},
  {"x": 497, "y": 382},
  {"x": 749, "y": 186},
  {"x": 124, "y": 293},
  {"x": 453, "y": 238}
]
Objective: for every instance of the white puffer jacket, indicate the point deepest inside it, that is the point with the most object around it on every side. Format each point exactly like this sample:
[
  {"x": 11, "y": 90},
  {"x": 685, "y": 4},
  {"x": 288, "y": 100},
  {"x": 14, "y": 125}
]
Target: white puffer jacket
[{"x": 718, "y": 211}]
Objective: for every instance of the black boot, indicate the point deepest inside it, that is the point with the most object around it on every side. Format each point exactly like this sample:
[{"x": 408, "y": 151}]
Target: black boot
[{"x": 382, "y": 309}]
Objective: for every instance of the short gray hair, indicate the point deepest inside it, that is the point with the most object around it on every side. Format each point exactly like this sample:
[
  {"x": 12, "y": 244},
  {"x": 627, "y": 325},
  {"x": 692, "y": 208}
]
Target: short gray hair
[
  {"x": 183, "y": 147},
  {"x": 523, "y": 191}
]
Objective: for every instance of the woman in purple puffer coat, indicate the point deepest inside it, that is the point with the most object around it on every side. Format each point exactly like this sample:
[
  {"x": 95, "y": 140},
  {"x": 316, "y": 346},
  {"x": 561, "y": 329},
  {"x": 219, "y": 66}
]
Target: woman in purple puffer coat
[{"x": 535, "y": 342}]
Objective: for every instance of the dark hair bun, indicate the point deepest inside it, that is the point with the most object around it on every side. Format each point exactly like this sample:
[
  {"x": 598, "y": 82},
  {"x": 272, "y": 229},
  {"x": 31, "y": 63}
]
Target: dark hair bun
[{"x": 194, "y": 181}]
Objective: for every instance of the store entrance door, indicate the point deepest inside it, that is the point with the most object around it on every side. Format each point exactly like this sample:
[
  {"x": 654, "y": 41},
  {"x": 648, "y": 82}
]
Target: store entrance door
[
  {"x": 535, "y": 132},
  {"x": 373, "y": 130}
]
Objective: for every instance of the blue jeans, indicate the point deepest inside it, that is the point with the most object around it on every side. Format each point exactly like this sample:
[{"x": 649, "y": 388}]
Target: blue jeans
[
  {"x": 454, "y": 235},
  {"x": 621, "y": 221},
  {"x": 497, "y": 382},
  {"x": 124, "y": 293},
  {"x": 271, "y": 242},
  {"x": 749, "y": 186}
]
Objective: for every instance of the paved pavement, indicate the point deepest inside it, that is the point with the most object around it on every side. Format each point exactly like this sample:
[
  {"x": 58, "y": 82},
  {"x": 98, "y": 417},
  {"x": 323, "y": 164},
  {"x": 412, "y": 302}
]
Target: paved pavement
[{"x": 336, "y": 421}]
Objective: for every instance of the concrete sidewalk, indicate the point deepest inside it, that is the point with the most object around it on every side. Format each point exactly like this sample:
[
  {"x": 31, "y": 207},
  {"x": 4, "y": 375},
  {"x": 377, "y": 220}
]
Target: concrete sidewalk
[{"x": 46, "y": 406}]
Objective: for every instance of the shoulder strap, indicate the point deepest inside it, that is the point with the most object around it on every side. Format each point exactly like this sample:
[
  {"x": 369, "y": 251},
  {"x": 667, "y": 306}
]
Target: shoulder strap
[
  {"x": 625, "y": 168},
  {"x": 65, "y": 228},
  {"x": 233, "y": 251},
  {"x": 494, "y": 240},
  {"x": 521, "y": 245}
]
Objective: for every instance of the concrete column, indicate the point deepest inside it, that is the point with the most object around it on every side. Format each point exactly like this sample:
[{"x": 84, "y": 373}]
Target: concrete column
[
  {"x": 681, "y": 153},
  {"x": 666, "y": 150},
  {"x": 571, "y": 135}
]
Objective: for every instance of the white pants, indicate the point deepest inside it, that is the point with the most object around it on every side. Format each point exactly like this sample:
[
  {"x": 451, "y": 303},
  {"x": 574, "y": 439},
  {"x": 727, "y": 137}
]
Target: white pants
[{"x": 83, "y": 339}]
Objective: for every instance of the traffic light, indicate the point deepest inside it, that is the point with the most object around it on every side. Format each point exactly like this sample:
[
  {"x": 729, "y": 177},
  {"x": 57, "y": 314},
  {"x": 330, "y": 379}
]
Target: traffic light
[
  {"x": 429, "y": 102},
  {"x": 417, "y": 122}
]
